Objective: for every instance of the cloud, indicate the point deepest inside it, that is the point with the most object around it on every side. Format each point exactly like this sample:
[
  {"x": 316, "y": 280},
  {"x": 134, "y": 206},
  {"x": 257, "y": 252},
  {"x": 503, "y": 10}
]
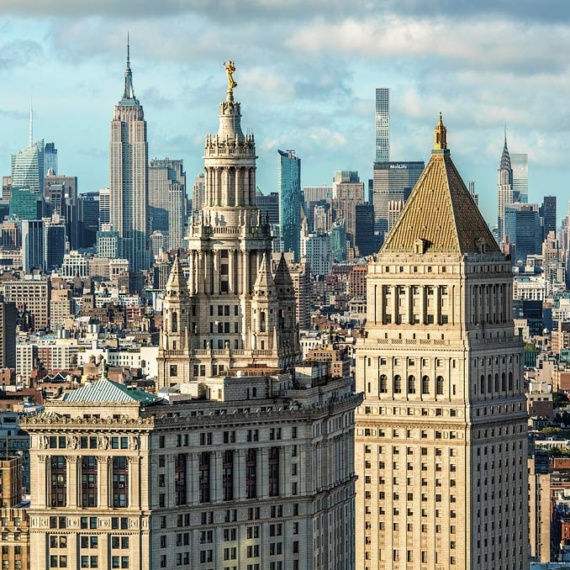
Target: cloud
[{"x": 19, "y": 53}]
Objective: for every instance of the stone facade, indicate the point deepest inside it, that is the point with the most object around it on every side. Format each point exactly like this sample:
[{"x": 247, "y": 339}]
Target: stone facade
[
  {"x": 254, "y": 481},
  {"x": 232, "y": 311},
  {"x": 441, "y": 440}
]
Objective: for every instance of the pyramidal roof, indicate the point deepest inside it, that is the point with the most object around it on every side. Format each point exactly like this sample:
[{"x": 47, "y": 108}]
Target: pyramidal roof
[
  {"x": 282, "y": 275},
  {"x": 264, "y": 281},
  {"x": 440, "y": 214},
  {"x": 176, "y": 280}
]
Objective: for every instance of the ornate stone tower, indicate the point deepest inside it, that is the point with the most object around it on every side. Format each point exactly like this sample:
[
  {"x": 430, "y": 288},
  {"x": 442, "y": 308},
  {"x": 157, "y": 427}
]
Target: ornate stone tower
[
  {"x": 237, "y": 314},
  {"x": 174, "y": 336},
  {"x": 441, "y": 442}
]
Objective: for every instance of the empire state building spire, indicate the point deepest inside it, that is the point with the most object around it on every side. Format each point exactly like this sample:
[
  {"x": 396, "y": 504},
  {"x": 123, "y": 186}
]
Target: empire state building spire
[{"x": 129, "y": 92}]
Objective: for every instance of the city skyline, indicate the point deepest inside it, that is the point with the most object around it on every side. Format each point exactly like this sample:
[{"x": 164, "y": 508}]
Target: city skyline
[{"x": 303, "y": 91}]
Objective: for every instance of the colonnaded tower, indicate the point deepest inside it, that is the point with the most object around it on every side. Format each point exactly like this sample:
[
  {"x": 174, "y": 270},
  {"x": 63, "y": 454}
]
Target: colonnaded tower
[
  {"x": 441, "y": 437},
  {"x": 231, "y": 312}
]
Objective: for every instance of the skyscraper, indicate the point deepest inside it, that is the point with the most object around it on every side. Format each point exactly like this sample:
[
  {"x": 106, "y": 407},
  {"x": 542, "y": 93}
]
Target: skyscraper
[
  {"x": 60, "y": 195},
  {"x": 441, "y": 437},
  {"x": 290, "y": 202},
  {"x": 167, "y": 199},
  {"x": 347, "y": 193},
  {"x": 382, "y": 124},
  {"x": 28, "y": 168},
  {"x": 522, "y": 226},
  {"x": 88, "y": 216},
  {"x": 504, "y": 190},
  {"x": 50, "y": 158},
  {"x": 129, "y": 176},
  {"x": 548, "y": 215},
  {"x": 393, "y": 181},
  {"x": 32, "y": 245},
  {"x": 519, "y": 164}
]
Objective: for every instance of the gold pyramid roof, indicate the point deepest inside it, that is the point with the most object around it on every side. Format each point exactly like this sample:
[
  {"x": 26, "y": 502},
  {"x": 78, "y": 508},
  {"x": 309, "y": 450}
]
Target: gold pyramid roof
[{"x": 440, "y": 214}]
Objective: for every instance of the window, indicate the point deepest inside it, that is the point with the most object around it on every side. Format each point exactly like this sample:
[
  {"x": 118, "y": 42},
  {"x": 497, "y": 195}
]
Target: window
[
  {"x": 397, "y": 384},
  {"x": 439, "y": 386},
  {"x": 58, "y": 488},
  {"x": 89, "y": 481},
  {"x": 120, "y": 481},
  {"x": 204, "y": 477},
  {"x": 274, "y": 472},
  {"x": 425, "y": 385},
  {"x": 383, "y": 384},
  {"x": 411, "y": 384}
]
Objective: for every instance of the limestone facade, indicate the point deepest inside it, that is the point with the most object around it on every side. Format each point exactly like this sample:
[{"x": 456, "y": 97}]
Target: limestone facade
[
  {"x": 441, "y": 440},
  {"x": 264, "y": 479}
]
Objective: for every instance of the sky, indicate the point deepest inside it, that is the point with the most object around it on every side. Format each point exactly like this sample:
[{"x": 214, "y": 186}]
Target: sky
[{"x": 306, "y": 72}]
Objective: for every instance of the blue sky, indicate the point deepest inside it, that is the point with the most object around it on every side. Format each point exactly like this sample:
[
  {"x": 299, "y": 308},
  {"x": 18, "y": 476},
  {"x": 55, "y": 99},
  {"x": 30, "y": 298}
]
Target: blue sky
[{"x": 306, "y": 73}]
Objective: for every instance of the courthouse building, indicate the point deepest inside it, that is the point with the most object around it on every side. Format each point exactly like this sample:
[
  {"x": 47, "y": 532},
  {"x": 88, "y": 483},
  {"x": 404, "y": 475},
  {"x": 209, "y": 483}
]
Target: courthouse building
[{"x": 441, "y": 442}]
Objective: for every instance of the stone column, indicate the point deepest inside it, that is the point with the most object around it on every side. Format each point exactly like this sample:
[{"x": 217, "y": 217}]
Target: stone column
[
  {"x": 437, "y": 316},
  {"x": 73, "y": 482},
  {"x": 231, "y": 271},
  {"x": 216, "y": 477},
  {"x": 423, "y": 304},
  {"x": 134, "y": 482},
  {"x": 245, "y": 271},
  {"x": 394, "y": 304},
  {"x": 245, "y": 189},
  {"x": 262, "y": 472},
  {"x": 239, "y": 474},
  {"x": 194, "y": 479},
  {"x": 104, "y": 481},
  {"x": 41, "y": 479}
]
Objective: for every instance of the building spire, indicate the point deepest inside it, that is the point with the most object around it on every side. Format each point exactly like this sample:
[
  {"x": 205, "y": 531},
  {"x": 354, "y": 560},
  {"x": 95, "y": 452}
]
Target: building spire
[
  {"x": 505, "y": 156},
  {"x": 129, "y": 92},
  {"x": 440, "y": 135}
]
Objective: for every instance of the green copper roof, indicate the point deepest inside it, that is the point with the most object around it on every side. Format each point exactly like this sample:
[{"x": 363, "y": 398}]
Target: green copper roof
[{"x": 105, "y": 390}]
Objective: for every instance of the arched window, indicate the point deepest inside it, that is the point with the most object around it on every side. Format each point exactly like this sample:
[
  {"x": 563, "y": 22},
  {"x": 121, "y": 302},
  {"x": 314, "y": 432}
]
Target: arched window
[
  {"x": 411, "y": 384},
  {"x": 383, "y": 383},
  {"x": 397, "y": 384},
  {"x": 482, "y": 384},
  {"x": 510, "y": 380},
  {"x": 503, "y": 382},
  {"x": 425, "y": 385},
  {"x": 439, "y": 386},
  {"x": 262, "y": 324},
  {"x": 489, "y": 383},
  {"x": 174, "y": 321},
  {"x": 496, "y": 382}
]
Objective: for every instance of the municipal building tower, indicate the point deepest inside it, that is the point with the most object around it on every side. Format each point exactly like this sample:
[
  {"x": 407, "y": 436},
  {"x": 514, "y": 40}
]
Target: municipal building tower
[{"x": 231, "y": 312}]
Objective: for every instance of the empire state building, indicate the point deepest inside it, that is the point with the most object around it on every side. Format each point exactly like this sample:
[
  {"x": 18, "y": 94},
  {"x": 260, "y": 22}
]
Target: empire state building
[{"x": 129, "y": 176}]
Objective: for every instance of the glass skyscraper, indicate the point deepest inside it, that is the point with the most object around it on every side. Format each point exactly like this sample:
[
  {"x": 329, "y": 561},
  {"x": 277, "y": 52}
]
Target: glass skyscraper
[
  {"x": 382, "y": 124},
  {"x": 290, "y": 202},
  {"x": 519, "y": 165},
  {"x": 28, "y": 168}
]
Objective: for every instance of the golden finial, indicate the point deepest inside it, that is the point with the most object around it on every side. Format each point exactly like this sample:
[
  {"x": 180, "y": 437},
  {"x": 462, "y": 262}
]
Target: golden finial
[
  {"x": 440, "y": 135},
  {"x": 230, "y": 68}
]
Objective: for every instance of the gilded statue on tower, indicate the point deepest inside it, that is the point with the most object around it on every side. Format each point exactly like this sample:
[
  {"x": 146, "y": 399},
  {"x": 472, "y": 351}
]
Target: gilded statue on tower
[{"x": 230, "y": 68}]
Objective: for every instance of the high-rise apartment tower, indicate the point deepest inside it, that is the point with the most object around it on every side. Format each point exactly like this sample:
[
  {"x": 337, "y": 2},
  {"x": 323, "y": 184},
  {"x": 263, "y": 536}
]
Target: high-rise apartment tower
[
  {"x": 382, "y": 117},
  {"x": 290, "y": 202}
]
